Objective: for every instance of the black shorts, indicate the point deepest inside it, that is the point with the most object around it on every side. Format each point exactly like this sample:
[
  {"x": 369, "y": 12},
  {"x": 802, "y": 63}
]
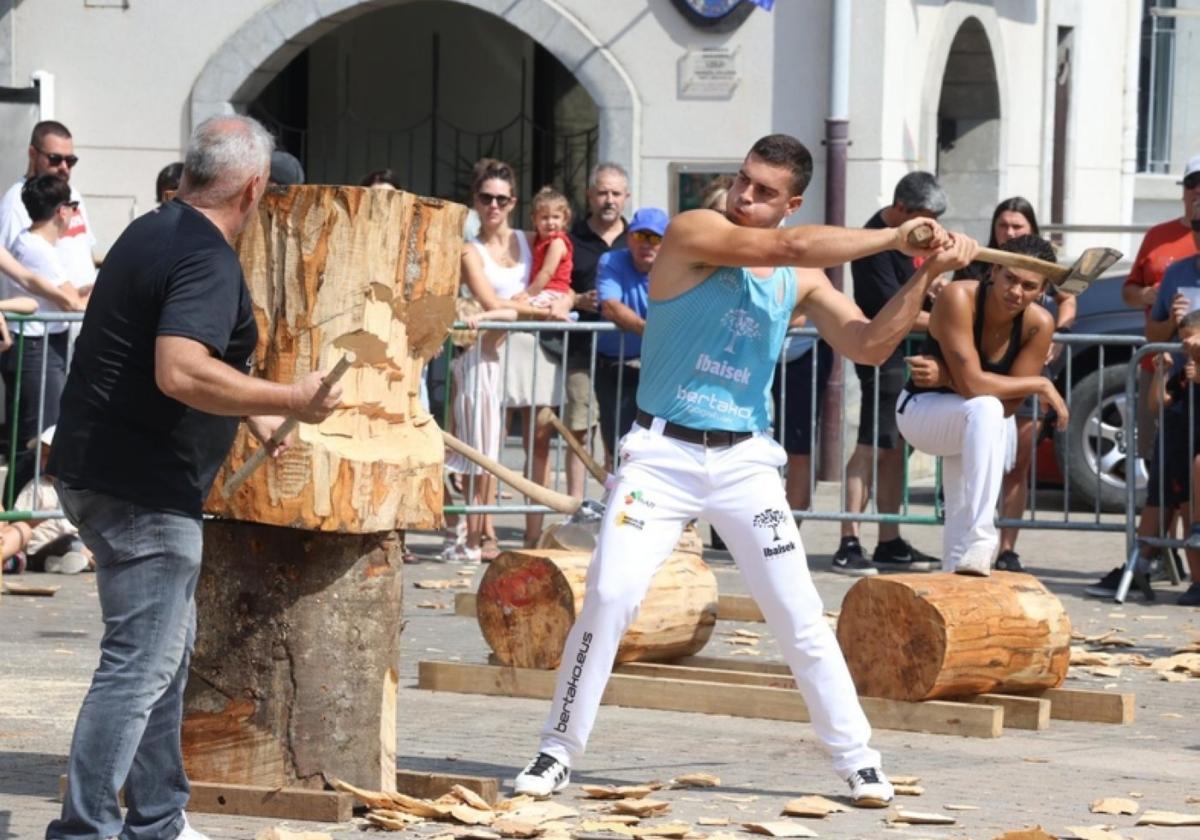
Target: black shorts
[
  {"x": 891, "y": 378},
  {"x": 801, "y": 405},
  {"x": 1171, "y": 463}
]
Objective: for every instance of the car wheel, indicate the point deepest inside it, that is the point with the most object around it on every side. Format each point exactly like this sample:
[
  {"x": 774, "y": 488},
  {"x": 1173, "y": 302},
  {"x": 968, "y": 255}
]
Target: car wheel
[{"x": 1093, "y": 453}]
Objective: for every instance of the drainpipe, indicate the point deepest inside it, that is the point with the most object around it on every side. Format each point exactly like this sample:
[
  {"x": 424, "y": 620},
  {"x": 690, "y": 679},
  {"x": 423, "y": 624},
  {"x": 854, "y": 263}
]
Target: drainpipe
[
  {"x": 837, "y": 133},
  {"x": 1133, "y": 26}
]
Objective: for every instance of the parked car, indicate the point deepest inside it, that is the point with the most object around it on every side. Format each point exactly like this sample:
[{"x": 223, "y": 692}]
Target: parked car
[{"x": 1093, "y": 450}]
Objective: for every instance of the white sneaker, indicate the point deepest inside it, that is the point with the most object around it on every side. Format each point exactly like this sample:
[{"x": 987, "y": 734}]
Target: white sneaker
[
  {"x": 869, "y": 788},
  {"x": 462, "y": 553},
  {"x": 190, "y": 833},
  {"x": 71, "y": 563},
  {"x": 976, "y": 560},
  {"x": 544, "y": 776}
]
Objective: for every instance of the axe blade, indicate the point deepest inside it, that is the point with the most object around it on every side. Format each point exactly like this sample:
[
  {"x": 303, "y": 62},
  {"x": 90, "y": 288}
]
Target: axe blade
[{"x": 1087, "y": 269}]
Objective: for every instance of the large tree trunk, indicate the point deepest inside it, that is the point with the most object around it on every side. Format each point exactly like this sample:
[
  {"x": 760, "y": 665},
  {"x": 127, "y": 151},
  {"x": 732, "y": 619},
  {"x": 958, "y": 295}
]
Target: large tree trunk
[
  {"x": 528, "y": 600},
  {"x": 293, "y": 679},
  {"x": 918, "y": 637},
  {"x": 375, "y": 272}
]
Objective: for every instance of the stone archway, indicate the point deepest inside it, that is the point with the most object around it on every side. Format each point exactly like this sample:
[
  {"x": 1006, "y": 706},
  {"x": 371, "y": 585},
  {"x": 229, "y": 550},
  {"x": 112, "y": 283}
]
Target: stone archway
[
  {"x": 968, "y": 149},
  {"x": 247, "y": 61}
]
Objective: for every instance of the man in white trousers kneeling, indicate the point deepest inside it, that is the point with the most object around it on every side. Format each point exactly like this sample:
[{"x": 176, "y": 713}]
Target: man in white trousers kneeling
[{"x": 722, "y": 294}]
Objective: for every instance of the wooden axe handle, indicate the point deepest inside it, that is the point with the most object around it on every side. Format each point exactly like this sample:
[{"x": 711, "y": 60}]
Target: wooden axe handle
[
  {"x": 552, "y": 499},
  {"x": 280, "y": 434},
  {"x": 991, "y": 255},
  {"x": 546, "y": 415}
]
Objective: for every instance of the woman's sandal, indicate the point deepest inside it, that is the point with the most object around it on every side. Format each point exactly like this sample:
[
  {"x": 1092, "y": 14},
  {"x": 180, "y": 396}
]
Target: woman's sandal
[{"x": 489, "y": 549}]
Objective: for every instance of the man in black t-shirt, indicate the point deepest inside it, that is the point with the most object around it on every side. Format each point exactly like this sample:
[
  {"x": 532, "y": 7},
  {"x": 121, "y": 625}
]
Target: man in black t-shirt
[
  {"x": 150, "y": 408},
  {"x": 594, "y": 235},
  {"x": 876, "y": 279}
]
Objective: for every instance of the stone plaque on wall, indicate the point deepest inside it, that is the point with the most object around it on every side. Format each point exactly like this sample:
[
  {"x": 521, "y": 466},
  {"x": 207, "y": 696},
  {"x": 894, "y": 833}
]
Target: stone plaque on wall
[{"x": 708, "y": 73}]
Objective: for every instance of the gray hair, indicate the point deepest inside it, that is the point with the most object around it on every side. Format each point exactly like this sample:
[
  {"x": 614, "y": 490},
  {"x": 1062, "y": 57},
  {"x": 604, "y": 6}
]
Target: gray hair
[
  {"x": 606, "y": 166},
  {"x": 920, "y": 191},
  {"x": 223, "y": 154}
]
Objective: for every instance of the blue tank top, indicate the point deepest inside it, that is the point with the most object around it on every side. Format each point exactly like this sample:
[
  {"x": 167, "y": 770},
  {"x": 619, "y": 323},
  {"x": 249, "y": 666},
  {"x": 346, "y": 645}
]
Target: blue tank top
[{"x": 709, "y": 354}]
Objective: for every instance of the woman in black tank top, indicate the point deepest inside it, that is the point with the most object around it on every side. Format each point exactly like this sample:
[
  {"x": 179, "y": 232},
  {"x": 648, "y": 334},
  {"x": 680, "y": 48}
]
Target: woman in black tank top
[{"x": 987, "y": 343}]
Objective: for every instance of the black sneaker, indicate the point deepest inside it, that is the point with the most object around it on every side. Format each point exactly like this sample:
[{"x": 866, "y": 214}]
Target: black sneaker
[
  {"x": 1009, "y": 561},
  {"x": 899, "y": 554},
  {"x": 1191, "y": 597},
  {"x": 849, "y": 559},
  {"x": 1107, "y": 585}
]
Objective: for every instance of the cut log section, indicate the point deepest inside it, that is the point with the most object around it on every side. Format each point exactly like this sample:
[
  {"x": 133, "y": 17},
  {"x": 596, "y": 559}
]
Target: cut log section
[
  {"x": 374, "y": 272},
  {"x": 918, "y": 637},
  {"x": 528, "y": 600},
  {"x": 581, "y": 536},
  {"x": 294, "y": 674}
]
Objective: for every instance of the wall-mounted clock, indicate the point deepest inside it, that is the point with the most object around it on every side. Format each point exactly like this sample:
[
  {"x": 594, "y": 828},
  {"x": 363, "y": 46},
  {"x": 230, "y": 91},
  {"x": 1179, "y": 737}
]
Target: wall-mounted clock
[{"x": 715, "y": 15}]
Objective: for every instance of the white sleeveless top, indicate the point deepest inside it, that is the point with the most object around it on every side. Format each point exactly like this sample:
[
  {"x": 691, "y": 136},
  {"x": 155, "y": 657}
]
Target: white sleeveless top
[{"x": 510, "y": 281}]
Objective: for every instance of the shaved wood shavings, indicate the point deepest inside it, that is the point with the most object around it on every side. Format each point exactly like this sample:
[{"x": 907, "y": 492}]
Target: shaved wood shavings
[
  {"x": 1168, "y": 818},
  {"x": 616, "y": 792},
  {"x": 1035, "y": 833},
  {"x": 906, "y": 780},
  {"x": 641, "y": 807},
  {"x": 670, "y": 829},
  {"x": 621, "y": 819},
  {"x": 745, "y": 651},
  {"x": 431, "y": 605},
  {"x": 471, "y": 816},
  {"x": 909, "y": 790},
  {"x": 540, "y": 813},
  {"x": 713, "y": 821},
  {"x": 476, "y": 834},
  {"x": 1104, "y": 671},
  {"x": 812, "y": 806},
  {"x": 1189, "y": 663},
  {"x": 384, "y": 820},
  {"x": 281, "y": 833},
  {"x": 514, "y": 803},
  {"x": 507, "y": 827},
  {"x": 370, "y": 798},
  {"x": 615, "y": 828},
  {"x": 741, "y": 640},
  {"x": 1094, "y": 832},
  {"x": 779, "y": 828},
  {"x": 696, "y": 780},
  {"x": 749, "y": 634},
  {"x": 959, "y": 807},
  {"x": 736, "y": 797},
  {"x": 1114, "y": 805},
  {"x": 442, "y": 584},
  {"x": 900, "y": 815}
]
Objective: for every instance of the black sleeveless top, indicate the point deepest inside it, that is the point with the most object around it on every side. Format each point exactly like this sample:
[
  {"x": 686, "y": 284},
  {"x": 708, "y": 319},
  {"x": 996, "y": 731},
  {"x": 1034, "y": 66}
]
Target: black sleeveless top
[{"x": 930, "y": 346}]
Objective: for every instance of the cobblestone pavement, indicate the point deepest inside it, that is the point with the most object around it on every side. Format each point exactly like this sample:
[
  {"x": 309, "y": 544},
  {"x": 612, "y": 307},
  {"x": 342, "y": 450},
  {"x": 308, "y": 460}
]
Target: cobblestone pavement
[{"x": 48, "y": 648}]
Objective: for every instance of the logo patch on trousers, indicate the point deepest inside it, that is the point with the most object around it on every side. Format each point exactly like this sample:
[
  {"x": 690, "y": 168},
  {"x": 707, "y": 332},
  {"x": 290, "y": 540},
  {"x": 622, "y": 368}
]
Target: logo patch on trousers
[
  {"x": 770, "y": 518},
  {"x": 624, "y": 518},
  {"x": 636, "y": 497},
  {"x": 564, "y": 715}
]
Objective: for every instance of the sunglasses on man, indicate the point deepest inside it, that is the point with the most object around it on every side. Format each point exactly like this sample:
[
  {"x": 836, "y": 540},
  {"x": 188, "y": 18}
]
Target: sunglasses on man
[
  {"x": 647, "y": 237},
  {"x": 488, "y": 198},
  {"x": 56, "y": 159}
]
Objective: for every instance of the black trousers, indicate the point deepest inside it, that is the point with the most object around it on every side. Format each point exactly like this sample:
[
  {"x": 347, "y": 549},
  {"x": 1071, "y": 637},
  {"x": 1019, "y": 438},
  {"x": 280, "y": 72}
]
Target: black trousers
[{"x": 25, "y": 420}]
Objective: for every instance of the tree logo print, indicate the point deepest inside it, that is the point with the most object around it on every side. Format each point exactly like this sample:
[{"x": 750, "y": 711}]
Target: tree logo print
[
  {"x": 770, "y": 518},
  {"x": 740, "y": 325}
]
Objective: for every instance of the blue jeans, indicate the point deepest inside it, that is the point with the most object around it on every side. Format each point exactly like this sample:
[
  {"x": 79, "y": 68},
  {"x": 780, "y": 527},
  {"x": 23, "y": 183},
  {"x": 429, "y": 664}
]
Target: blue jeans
[{"x": 128, "y": 730}]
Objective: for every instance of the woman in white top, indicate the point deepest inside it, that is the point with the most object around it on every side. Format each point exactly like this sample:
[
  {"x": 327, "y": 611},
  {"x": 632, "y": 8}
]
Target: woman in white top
[{"x": 496, "y": 266}]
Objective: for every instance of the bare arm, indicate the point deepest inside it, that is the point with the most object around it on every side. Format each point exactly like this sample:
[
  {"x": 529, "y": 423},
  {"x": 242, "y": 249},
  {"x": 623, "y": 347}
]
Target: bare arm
[
  {"x": 621, "y": 315},
  {"x": 481, "y": 290},
  {"x": 1137, "y": 297},
  {"x": 1067, "y": 307},
  {"x": 1165, "y": 330},
  {"x": 706, "y": 237},
  {"x": 186, "y": 371},
  {"x": 871, "y": 342},
  {"x": 64, "y": 297},
  {"x": 19, "y": 305},
  {"x": 554, "y": 255}
]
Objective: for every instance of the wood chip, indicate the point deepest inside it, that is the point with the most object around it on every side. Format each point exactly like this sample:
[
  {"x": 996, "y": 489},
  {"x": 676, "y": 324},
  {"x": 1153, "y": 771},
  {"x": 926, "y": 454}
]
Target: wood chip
[
  {"x": 1035, "y": 833},
  {"x": 741, "y": 640},
  {"x": 812, "y": 806},
  {"x": 30, "y": 590},
  {"x": 431, "y": 605},
  {"x": 475, "y": 833},
  {"x": 442, "y": 584},
  {"x": 957, "y": 807},
  {"x": 905, "y": 780},
  {"x": 1189, "y": 663},
  {"x": 1173, "y": 676},
  {"x": 471, "y": 816},
  {"x": 597, "y": 825},
  {"x": 470, "y": 797},
  {"x": 383, "y": 819},
  {"x": 370, "y": 798},
  {"x": 540, "y": 813},
  {"x": 1035, "y": 760},
  {"x": 749, "y": 634},
  {"x": 641, "y": 807},
  {"x": 670, "y": 829},
  {"x": 779, "y": 828},
  {"x": 918, "y": 818},
  {"x": 909, "y": 790},
  {"x": 712, "y": 821},
  {"x": 1095, "y": 832},
  {"x": 281, "y": 833},
  {"x": 1114, "y": 805},
  {"x": 735, "y": 797},
  {"x": 1168, "y": 818},
  {"x": 617, "y": 791},
  {"x": 696, "y": 780},
  {"x": 508, "y": 827},
  {"x": 514, "y": 803},
  {"x": 620, "y": 819},
  {"x": 1104, "y": 671}
]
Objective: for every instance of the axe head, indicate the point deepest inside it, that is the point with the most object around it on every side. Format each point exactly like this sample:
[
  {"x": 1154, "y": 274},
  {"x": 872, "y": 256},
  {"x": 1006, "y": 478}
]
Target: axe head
[
  {"x": 1091, "y": 264},
  {"x": 590, "y": 511}
]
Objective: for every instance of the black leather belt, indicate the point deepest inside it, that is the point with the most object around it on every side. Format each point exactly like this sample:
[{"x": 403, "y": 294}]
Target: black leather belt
[{"x": 713, "y": 438}]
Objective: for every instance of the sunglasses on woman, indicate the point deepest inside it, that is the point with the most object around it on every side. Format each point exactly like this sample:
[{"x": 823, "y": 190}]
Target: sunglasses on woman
[
  {"x": 488, "y": 198},
  {"x": 56, "y": 159}
]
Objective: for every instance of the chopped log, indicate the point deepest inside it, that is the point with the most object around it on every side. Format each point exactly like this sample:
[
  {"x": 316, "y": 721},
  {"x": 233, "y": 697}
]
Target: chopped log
[
  {"x": 337, "y": 269},
  {"x": 528, "y": 600},
  {"x": 917, "y": 637},
  {"x": 581, "y": 536},
  {"x": 294, "y": 674}
]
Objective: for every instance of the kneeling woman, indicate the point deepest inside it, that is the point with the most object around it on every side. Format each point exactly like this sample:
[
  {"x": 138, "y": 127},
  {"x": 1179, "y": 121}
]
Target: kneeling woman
[{"x": 987, "y": 343}]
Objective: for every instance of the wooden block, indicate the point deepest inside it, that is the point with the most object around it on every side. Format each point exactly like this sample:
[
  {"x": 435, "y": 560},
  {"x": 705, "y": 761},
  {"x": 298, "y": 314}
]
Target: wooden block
[
  {"x": 709, "y": 697},
  {"x": 1090, "y": 706},
  {"x": 258, "y": 801},
  {"x": 738, "y": 608},
  {"x": 1019, "y": 712},
  {"x": 30, "y": 590},
  {"x": 433, "y": 785},
  {"x": 464, "y": 604}
]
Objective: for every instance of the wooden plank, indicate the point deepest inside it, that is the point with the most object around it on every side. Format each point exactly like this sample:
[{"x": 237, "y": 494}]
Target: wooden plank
[
  {"x": 464, "y": 604},
  {"x": 738, "y": 608},
  {"x": 30, "y": 590},
  {"x": 718, "y": 675},
  {"x": 726, "y": 664},
  {"x": 1090, "y": 706},
  {"x": 707, "y": 697},
  {"x": 259, "y": 801},
  {"x": 433, "y": 785},
  {"x": 1019, "y": 712}
]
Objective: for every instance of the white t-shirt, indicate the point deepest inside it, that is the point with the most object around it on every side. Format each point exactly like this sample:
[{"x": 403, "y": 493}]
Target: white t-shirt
[
  {"x": 74, "y": 248},
  {"x": 40, "y": 257}
]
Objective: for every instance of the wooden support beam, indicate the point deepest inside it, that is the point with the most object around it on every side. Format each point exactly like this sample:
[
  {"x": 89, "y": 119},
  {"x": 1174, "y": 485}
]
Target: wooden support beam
[
  {"x": 708, "y": 697},
  {"x": 259, "y": 801},
  {"x": 726, "y": 664},
  {"x": 433, "y": 785},
  {"x": 1019, "y": 712},
  {"x": 1090, "y": 706}
]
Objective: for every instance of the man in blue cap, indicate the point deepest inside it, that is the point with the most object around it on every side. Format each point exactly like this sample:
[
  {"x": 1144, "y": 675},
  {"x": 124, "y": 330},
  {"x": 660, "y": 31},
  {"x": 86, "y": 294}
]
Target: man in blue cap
[{"x": 622, "y": 278}]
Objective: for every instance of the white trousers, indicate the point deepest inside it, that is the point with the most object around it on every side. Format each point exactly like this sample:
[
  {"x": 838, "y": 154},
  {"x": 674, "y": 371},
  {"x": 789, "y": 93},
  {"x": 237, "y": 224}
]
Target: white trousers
[
  {"x": 661, "y": 485},
  {"x": 976, "y": 443}
]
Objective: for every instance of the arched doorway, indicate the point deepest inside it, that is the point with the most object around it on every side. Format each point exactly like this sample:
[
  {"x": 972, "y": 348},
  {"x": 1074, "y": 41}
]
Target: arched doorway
[
  {"x": 968, "y": 131},
  {"x": 425, "y": 87}
]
